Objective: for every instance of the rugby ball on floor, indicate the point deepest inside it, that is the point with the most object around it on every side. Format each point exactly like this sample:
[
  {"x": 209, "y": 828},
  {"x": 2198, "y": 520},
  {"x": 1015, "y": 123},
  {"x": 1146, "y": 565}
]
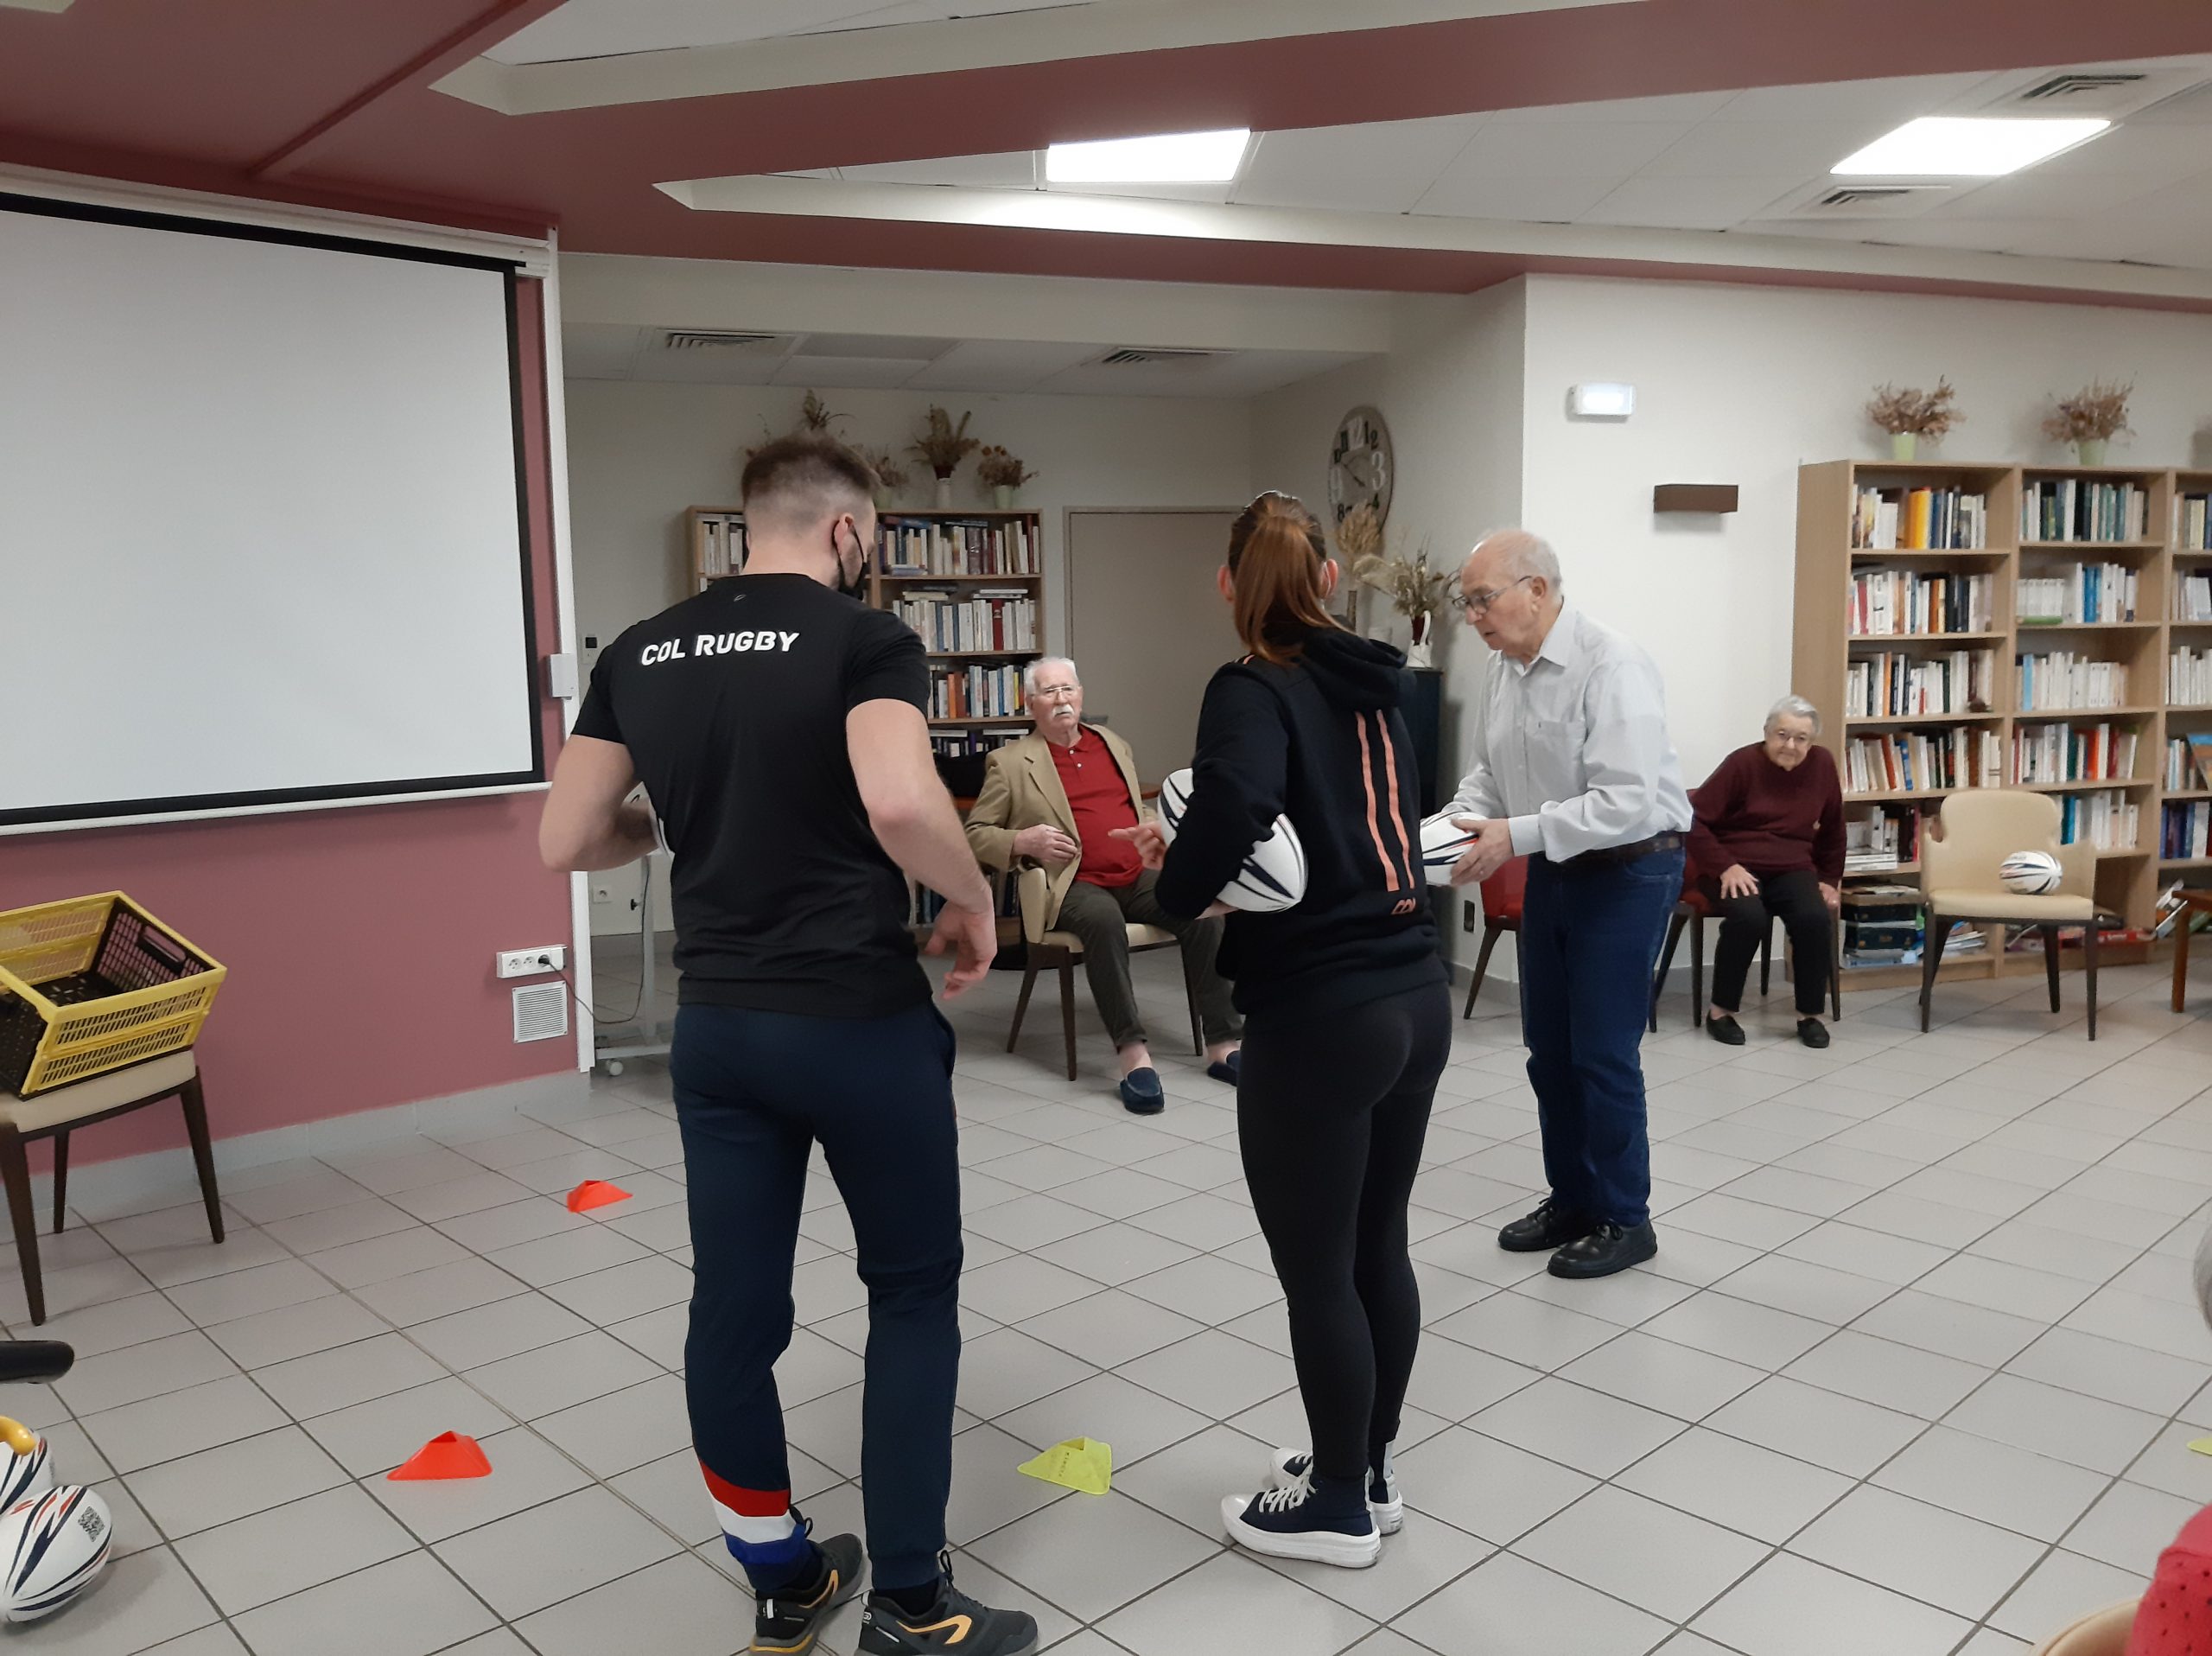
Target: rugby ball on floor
[
  {"x": 22, "y": 1476},
  {"x": 1273, "y": 877},
  {"x": 2030, "y": 873},
  {"x": 52, "y": 1546},
  {"x": 1442, "y": 845}
]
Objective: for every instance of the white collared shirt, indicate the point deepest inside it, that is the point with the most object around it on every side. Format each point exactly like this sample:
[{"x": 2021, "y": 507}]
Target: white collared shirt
[{"x": 1572, "y": 748}]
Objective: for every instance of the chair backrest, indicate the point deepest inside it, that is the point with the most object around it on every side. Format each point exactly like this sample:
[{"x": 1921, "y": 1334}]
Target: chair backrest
[
  {"x": 1504, "y": 891},
  {"x": 1982, "y": 827}
]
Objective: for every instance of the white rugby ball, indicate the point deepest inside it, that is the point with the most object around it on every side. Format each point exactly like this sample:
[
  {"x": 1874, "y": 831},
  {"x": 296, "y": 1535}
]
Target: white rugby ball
[
  {"x": 2030, "y": 873},
  {"x": 1442, "y": 845},
  {"x": 53, "y": 1547},
  {"x": 22, "y": 1476},
  {"x": 1273, "y": 877}
]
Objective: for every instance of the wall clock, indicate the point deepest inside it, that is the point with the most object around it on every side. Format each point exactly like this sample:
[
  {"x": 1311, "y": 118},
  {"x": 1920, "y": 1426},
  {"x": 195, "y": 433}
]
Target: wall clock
[{"x": 1361, "y": 468}]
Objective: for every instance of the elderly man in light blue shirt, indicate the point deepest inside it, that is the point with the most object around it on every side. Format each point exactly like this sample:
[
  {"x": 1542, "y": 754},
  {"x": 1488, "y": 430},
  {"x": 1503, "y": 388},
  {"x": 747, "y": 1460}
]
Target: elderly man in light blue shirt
[{"x": 1572, "y": 767}]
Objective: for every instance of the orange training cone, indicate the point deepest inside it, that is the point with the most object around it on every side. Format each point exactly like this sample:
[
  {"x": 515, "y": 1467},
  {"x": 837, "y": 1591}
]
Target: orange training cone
[
  {"x": 449, "y": 1455},
  {"x": 595, "y": 1193}
]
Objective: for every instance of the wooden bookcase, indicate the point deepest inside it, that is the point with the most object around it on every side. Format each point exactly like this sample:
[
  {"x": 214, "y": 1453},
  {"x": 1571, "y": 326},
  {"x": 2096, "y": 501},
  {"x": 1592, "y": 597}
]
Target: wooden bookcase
[{"x": 1825, "y": 649}]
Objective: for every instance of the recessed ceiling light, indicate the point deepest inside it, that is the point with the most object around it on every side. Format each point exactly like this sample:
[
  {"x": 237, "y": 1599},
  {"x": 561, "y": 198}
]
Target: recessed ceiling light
[
  {"x": 1168, "y": 158},
  {"x": 1968, "y": 147}
]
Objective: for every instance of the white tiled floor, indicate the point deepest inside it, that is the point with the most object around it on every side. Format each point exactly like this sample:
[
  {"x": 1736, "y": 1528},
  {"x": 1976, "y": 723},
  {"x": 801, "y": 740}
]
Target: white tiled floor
[{"x": 1915, "y": 1370}]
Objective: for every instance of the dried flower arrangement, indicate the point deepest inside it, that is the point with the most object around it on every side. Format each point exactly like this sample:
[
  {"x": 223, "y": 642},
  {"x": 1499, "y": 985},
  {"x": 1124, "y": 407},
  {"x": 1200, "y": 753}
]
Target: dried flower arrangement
[
  {"x": 814, "y": 415},
  {"x": 1911, "y": 411},
  {"x": 941, "y": 445},
  {"x": 888, "y": 472},
  {"x": 2093, "y": 414},
  {"x": 1416, "y": 591},
  {"x": 1000, "y": 469}
]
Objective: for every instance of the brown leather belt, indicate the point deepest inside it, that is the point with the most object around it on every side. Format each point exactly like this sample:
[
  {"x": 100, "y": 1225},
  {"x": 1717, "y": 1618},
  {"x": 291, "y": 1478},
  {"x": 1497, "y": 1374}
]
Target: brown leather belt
[{"x": 1642, "y": 848}]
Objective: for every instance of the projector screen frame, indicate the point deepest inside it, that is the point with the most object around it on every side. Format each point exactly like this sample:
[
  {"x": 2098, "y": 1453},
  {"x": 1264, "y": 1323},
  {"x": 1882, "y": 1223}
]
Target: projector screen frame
[{"x": 114, "y": 814}]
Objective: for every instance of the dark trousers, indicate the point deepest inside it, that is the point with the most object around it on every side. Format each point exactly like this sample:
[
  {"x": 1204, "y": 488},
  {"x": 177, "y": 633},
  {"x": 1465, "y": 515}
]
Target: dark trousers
[
  {"x": 1590, "y": 937},
  {"x": 1745, "y": 922},
  {"x": 1100, "y": 916},
  {"x": 754, "y": 1091},
  {"x": 1331, "y": 1114}
]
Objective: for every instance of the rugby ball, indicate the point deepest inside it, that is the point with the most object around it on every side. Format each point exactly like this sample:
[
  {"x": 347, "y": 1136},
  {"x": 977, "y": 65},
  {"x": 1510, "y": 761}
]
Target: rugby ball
[
  {"x": 2030, "y": 873},
  {"x": 1273, "y": 877},
  {"x": 1442, "y": 845},
  {"x": 23, "y": 1476},
  {"x": 53, "y": 1547}
]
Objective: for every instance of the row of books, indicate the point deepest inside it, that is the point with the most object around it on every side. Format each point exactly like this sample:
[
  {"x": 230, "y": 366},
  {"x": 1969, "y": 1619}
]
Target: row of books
[
  {"x": 2188, "y": 763},
  {"x": 2107, "y": 819},
  {"x": 1920, "y": 761},
  {"x": 2185, "y": 828},
  {"x": 987, "y": 619},
  {"x": 1876, "y": 840},
  {"x": 2189, "y": 678},
  {"x": 1918, "y": 519},
  {"x": 2065, "y": 680},
  {"x": 1895, "y": 686},
  {"x": 2192, "y": 596},
  {"x": 1888, "y": 603},
  {"x": 2078, "y": 508},
  {"x": 925, "y": 905},
  {"x": 2072, "y": 753},
  {"x": 942, "y": 546},
  {"x": 2091, "y": 592},
  {"x": 976, "y": 693},
  {"x": 722, "y": 548},
  {"x": 2193, "y": 522}
]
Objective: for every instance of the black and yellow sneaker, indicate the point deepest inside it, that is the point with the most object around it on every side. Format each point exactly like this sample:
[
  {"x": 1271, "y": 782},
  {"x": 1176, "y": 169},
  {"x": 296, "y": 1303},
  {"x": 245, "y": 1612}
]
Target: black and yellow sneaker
[
  {"x": 954, "y": 1626},
  {"x": 788, "y": 1623}
]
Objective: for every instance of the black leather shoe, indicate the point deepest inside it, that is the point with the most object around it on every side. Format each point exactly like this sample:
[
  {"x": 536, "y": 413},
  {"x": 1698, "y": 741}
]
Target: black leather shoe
[
  {"x": 1725, "y": 1030},
  {"x": 1605, "y": 1251},
  {"x": 1545, "y": 1228},
  {"x": 1813, "y": 1032}
]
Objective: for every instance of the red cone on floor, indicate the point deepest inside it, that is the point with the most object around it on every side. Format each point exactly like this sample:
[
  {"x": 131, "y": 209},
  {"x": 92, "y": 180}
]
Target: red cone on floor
[
  {"x": 449, "y": 1455},
  {"x": 595, "y": 1193}
]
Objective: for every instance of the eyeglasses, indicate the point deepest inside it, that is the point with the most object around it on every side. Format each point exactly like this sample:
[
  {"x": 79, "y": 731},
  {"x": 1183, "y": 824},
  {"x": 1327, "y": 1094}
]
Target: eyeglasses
[
  {"x": 1055, "y": 692},
  {"x": 1479, "y": 604},
  {"x": 1792, "y": 739}
]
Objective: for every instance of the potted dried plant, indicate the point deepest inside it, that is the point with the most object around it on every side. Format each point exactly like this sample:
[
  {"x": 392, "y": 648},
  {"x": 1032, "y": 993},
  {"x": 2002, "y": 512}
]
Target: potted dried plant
[
  {"x": 941, "y": 446},
  {"x": 890, "y": 475},
  {"x": 814, "y": 415},
  {"x": 1909, "y": 414},
  {"x": 2090, "y": 418},
  {"x": 1416, "y": 592},
  {"x": 1001, "y": 473}
]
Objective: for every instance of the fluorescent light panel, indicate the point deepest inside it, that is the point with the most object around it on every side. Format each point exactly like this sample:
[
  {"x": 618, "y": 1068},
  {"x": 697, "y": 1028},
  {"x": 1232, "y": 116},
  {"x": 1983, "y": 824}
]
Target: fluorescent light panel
[
  {"x": 1967, "y": 147},
  {"x": 1165, "y": 158}
]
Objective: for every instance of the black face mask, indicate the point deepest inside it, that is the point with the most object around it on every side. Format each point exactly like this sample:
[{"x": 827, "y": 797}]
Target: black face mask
[{"x": 856, "y": 586}]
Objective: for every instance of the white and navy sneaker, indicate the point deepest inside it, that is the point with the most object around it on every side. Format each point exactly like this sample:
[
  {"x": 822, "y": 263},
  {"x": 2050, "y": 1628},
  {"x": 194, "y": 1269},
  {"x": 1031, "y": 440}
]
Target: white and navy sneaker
[
  {"x": 1292, "y": 1466},
  {"x": 1282, "y": 1524}
]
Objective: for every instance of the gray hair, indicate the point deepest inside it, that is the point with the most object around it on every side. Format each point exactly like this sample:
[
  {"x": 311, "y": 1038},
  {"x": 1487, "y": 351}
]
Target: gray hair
[
  {"x": 1030, "y": 672},
  {"x": 1793, "y": 707},
  {"x": 1527, "y": 557}
]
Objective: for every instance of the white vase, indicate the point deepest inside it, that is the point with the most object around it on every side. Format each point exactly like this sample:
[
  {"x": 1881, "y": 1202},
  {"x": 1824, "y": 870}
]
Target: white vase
[
  {"x": 945, "y": 494},
  {"x": 2091, "y": 450},
  {"x": 1417, "y": 655}
]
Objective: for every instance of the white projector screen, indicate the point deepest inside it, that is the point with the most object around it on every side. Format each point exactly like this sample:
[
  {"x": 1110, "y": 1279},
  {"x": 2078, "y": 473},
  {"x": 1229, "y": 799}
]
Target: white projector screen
[{"x": 261, "y": 521}]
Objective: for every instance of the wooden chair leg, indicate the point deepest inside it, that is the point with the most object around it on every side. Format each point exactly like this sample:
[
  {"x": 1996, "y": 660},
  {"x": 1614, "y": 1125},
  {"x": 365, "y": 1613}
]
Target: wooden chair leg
[
  {"x": 60, "y": 1180},
  {"x": 1937, "y": 932},
  {"x": 2050, "y": 961},
  {"x": 1766, "y": 961},
  {"x": 1697, "y": 971},
  {"x": 1197, "y": 1023},
  {"x": 2181, "y": 955},
  {"x": 1067, "y": 1009},
  {"x": 2089, "y": 970},
  {"x": 1835, "y": 966},
  {"x": 203, "y": 1152},
  {"x": 1482, "y": 967},
  {"x": 15, "y": 1175},
  {"x": 1021, "y": 1003},
  {"x": 1658, "y": 978}
]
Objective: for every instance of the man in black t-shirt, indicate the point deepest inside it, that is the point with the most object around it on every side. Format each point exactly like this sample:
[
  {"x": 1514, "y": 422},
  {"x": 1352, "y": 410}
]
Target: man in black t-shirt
[{"x": 778, "y": 727}]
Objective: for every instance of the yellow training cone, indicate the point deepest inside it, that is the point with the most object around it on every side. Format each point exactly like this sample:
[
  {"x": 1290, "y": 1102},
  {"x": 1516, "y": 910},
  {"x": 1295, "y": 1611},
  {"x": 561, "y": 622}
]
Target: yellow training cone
[
  {"x": 2201, "y": 1445},
  {"x": 1081, "y": 1464}
]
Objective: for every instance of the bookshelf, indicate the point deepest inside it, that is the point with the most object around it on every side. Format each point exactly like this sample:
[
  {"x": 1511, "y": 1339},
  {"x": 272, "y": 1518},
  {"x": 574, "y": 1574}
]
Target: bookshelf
[{"x": 2037, "y": 632}]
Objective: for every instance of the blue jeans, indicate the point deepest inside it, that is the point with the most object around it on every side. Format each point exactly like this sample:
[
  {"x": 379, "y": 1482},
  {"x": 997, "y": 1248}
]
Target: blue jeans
[
  {"x": 754, "y": 1091},
  {"x": 1590, "y": 938}
]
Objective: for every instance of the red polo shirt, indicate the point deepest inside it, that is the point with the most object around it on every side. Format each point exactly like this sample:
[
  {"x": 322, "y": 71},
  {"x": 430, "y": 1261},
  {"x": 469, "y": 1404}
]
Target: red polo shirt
[{"x": 1098, "y": 796}]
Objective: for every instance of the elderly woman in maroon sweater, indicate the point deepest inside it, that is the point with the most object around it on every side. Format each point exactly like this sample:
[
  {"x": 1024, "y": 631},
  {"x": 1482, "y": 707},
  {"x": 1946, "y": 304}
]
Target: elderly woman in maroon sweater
[{"x": 1768, "y": 843}]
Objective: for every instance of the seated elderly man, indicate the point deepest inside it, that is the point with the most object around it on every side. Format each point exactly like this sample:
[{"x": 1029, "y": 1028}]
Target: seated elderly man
[{"x": 1053, "y": 799}]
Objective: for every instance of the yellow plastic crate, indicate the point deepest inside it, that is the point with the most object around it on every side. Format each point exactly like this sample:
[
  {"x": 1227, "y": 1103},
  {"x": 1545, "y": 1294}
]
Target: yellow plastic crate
[{"x": 92, "y": 984}]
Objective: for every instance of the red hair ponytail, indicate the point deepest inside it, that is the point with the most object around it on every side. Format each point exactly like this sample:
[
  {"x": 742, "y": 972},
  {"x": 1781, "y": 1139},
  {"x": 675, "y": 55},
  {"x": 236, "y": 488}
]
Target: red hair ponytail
[{"x": 1276, "y": 557}]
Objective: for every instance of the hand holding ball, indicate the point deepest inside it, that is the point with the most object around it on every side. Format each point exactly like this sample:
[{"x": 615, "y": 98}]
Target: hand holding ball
[{"x": 1273, "y": 876}]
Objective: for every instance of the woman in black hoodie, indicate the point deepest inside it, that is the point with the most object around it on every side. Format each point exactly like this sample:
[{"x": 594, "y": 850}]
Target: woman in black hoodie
[{"x": 1348, "y": 1018}]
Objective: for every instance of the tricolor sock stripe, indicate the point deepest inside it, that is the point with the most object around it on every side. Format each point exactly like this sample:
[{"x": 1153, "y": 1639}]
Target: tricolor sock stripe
[{"x": 762, "y": 1532}]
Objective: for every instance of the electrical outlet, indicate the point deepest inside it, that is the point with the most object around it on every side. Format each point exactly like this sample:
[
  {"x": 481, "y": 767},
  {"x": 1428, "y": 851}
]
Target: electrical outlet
[
  {"x": 529, "y": 963},
  {"x": 1466, "y": 916},
  {"x": 601, "y": 893}
]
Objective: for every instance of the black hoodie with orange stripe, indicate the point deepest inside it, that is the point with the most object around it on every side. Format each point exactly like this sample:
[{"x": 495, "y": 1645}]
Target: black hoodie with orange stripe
[{"x": 1322, "y": 742}]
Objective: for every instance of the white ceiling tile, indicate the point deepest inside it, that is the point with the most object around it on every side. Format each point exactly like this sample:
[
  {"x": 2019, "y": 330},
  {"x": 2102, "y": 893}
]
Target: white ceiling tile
[
  {"x": 1688, "y": 203},
  {"x": 845, "y": 372},
  {"x": 1886, "y": 103},
  {"x": 703, "y": 367},
  {"x": 1014, "y": 170},
  {"x": 1380, "y": 168},
  {"x": 1538, "y": 200},
  {"x": 1674, "y": 109},
  {"x": 2161, "y": 152},
  {"x": 1762, "y": 149},
  {"x": 2040, "y": 194},
  {"x": 587, "y": 28},
  {"x": 999, "y": 364},
  {"x": 1563, "y": 148},
  {"x": 598, "y": 350}
]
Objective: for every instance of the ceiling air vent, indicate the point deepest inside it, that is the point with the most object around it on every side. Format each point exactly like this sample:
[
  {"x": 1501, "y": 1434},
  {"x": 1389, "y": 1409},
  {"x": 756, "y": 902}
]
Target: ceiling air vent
[
  {"x": 2082, "y": 86},
  {"x": 749, "y": 344},
  {"x": 1859, "y": 199},
  {"x": 1130, "y": 356}
]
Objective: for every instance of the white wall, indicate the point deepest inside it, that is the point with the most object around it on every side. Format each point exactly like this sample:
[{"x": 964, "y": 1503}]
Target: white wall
[{"x": 640, "y": 453}]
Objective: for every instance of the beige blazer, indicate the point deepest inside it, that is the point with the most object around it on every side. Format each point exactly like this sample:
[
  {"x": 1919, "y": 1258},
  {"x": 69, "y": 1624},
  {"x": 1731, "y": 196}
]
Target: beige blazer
[{"x": 1021, "y": 789}]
